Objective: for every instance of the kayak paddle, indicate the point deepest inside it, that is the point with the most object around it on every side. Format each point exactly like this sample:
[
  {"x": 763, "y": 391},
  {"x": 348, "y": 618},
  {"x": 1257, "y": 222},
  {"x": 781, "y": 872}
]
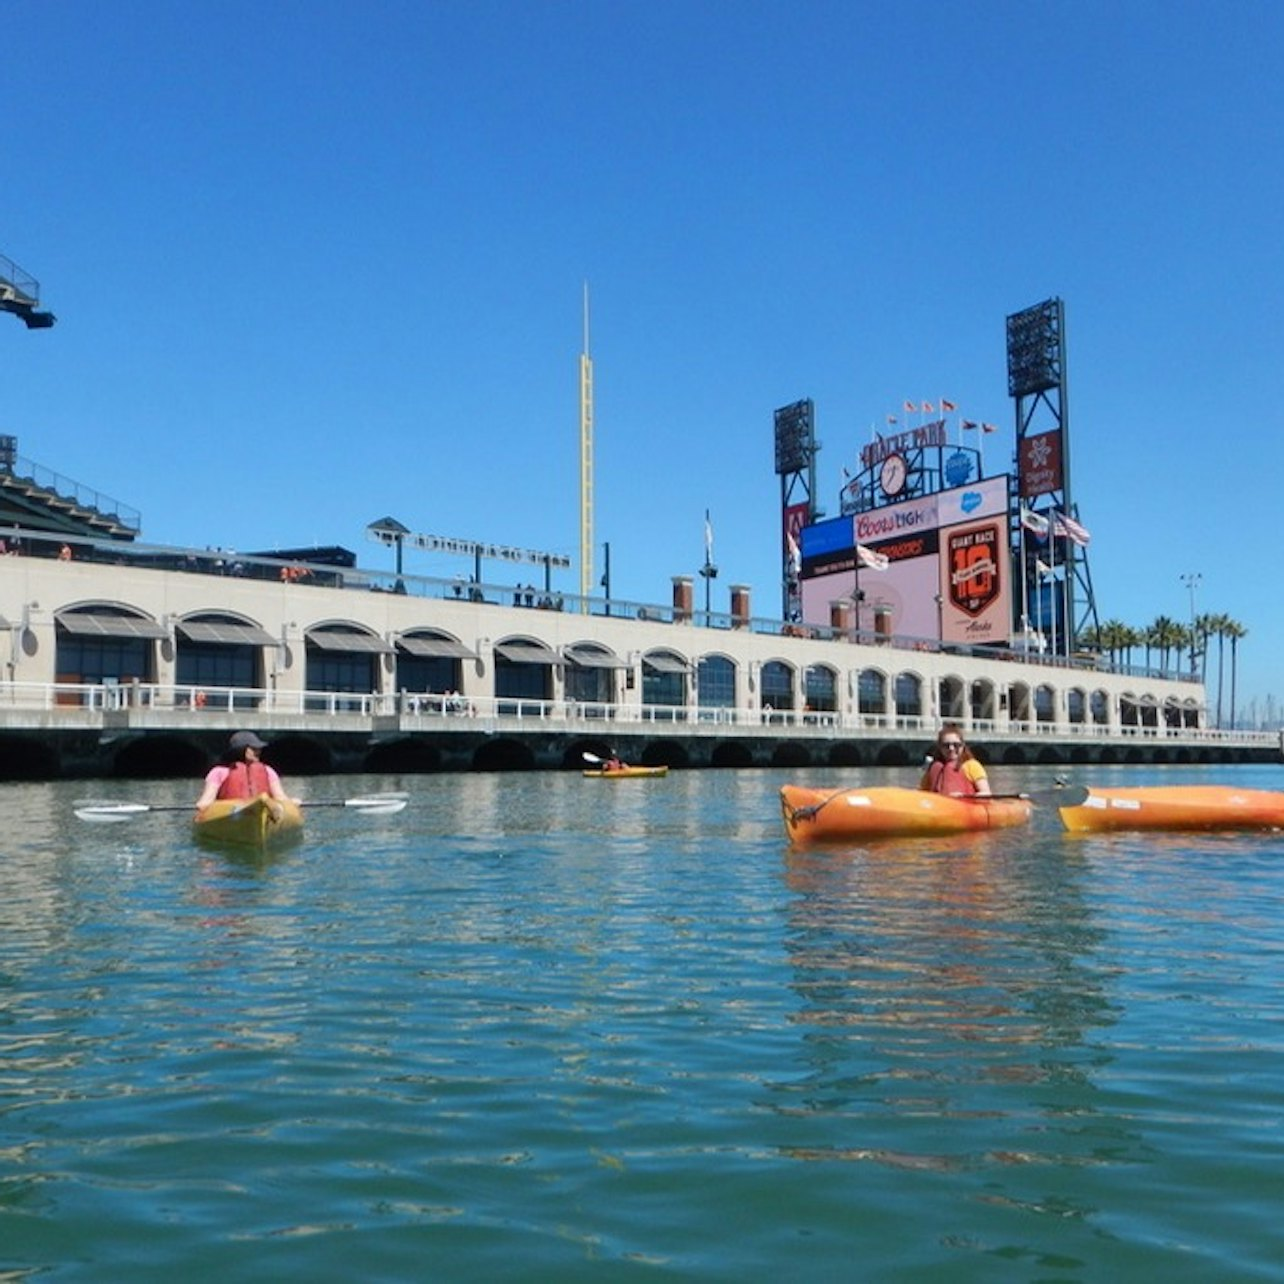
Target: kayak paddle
[{"x": 115, "y": 812}]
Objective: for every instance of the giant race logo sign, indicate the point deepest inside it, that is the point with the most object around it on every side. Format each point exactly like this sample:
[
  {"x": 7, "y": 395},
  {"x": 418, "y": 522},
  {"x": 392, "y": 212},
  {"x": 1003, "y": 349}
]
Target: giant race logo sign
[{"x": 972, "y": 559}]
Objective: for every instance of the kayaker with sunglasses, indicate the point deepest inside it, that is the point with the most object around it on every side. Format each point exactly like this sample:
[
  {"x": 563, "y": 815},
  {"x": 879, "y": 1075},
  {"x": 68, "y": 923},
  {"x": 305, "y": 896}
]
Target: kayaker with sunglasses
[{"x": 953, "y": 769}]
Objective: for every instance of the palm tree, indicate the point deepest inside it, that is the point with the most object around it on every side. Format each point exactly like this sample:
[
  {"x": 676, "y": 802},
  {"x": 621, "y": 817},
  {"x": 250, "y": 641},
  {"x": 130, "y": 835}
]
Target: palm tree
[
  {"x": 1217, "y": 628},
  {"x": 1165, "y": 635},
  {"x": 1205, "y": 626},
  {"x": 1233, "y": 630},
  {"x": 1135, "y": 638},
  {"x": 1184, "y": 640},
  {"x": 1113, "y": 637}
]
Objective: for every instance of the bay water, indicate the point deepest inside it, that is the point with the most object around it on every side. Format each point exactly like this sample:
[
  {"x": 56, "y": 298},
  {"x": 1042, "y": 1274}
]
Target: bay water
[{"x": 537, "y": 1027}]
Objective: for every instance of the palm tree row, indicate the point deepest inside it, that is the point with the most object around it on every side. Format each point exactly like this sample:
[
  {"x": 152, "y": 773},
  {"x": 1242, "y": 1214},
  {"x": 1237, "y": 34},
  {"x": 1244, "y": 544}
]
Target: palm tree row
[{"x": 1167, "y": 639}]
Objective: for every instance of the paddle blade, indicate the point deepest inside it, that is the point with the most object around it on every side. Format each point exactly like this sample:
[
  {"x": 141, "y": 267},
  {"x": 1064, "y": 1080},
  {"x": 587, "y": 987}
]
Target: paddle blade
[
  {"x": 378, "y": 804},
  {"x": 592, "y": 758},
  {"x": 109, "y": 813}
]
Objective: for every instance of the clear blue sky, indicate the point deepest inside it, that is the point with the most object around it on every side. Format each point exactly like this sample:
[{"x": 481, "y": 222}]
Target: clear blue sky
[{"x": 318, "y": 263}]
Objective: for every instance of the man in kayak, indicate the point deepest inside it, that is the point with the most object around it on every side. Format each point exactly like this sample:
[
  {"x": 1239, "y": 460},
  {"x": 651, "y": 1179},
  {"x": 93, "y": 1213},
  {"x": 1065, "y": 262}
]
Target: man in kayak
[
  {"x": 953, "y": 769},
  {"x": 242, "y": 774}
]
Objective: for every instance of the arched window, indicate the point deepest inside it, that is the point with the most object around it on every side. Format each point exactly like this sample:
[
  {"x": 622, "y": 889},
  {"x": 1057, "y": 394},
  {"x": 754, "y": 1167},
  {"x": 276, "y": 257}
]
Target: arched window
[
  {"x": 777, "y": 685},
  {"x": 1045, "y": 704},
  {"x": 523, "y": 671},
  {"x": 664, "y": 685},
  {"x": 343, "y": 657},
  {"x": 983, "y": 701},
  {"x": 871, "y": 692},
  {"x": 429, "y": 661},
  {"x": 106, "y": 645},
  {"x": 589, "y": 678},
  {"x": 716, "y": 682},
  {"x": 820, "y": 685},
  {"x": 1100, "y": 704},
  {"x": 220, "y": 651},
  {"x": 909, "y": 695}
]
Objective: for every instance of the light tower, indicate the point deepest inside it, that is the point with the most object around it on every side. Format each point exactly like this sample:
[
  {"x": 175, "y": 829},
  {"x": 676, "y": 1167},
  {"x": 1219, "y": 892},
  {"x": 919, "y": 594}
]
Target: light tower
[
  {"x": 796, "y": 447},
  {"x": 1038, "y": 385},
  {"x": 586, "y": 465}
]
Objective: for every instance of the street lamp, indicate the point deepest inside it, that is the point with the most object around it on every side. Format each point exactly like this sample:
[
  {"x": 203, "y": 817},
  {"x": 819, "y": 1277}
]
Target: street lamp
[{"x": 1192, "y": 580}]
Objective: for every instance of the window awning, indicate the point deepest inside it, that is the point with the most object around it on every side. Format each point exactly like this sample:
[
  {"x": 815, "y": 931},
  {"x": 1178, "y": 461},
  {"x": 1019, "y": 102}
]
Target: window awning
[
  {"x": 588, "y": 658},
  {"x": 418, "y": 645},
  {"x": 340, "y": 640},
  {"x": 527, "y": 653},
  {"x": 84, "y": 624},
  {"x": 230, "y": 634},
  {"x": 662, "y": 663}
]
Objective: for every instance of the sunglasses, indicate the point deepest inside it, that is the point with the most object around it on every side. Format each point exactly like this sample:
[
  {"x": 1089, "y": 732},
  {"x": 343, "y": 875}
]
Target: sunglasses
[{"x": 951, "y": 744}]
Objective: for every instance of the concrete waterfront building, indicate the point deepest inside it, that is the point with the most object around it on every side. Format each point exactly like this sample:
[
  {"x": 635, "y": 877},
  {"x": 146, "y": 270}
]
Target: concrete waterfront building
[{"x": 137, "y": 659}]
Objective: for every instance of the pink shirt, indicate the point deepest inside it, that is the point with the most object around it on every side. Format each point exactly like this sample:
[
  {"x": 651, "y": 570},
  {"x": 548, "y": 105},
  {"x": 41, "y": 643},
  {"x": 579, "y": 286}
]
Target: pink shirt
[{"x": 217, "y": 775}]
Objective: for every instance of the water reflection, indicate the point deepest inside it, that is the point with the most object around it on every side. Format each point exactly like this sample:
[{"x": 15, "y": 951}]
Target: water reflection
[{"x": 931, "y": 968}]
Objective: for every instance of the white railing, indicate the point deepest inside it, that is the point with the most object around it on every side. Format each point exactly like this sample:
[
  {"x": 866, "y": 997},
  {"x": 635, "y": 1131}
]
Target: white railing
[{"x": 40, "y": 705}]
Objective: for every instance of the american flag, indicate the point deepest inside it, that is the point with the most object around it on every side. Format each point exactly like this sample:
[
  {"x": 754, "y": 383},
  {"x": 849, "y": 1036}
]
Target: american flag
[{"x": 1063, "y": 524}]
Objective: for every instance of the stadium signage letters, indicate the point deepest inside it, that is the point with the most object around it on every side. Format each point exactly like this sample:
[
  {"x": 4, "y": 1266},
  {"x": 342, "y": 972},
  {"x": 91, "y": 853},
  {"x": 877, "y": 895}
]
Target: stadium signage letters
[{"x": 932, "y": 434}]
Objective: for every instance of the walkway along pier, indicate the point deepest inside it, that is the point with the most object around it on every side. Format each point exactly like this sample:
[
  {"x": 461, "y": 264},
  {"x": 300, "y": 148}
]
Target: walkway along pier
[{"x": 138, "y": 660}]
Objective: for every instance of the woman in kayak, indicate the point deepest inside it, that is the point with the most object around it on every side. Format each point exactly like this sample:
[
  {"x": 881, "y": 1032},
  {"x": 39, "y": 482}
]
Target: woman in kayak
[
  {"x": 242, "y": 774},
  {"x": 953, "y": 769}
]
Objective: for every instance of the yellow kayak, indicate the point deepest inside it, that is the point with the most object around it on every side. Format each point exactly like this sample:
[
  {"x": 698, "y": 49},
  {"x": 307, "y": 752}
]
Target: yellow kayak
[
  {"x": 625, "y": 773},
  {"x": 259, "y": 822}
]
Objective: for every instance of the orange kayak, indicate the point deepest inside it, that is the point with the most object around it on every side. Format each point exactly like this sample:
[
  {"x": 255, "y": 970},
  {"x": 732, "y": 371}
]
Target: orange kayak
[
  {"x": 1176, "y": 807},
  {"x": 821, "y": 815}
]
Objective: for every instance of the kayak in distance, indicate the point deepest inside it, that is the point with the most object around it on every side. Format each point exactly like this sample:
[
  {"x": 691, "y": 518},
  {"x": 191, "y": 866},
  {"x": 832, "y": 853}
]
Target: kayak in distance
[
  {"x": 1175, "y": 807},
  {"x": 260, "y": 822},
  {"x": 621, "y": 773},
  {"x": 823, "y": 815}
]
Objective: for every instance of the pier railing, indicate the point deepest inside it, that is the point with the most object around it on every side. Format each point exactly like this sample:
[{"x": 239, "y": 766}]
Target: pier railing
[{"x": 156, "y": 707}]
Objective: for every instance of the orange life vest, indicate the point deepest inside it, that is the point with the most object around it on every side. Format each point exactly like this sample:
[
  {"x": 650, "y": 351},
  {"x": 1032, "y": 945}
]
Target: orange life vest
[
  {"x": 244, "y": 780},
  {"x": 948, "y": 778}
]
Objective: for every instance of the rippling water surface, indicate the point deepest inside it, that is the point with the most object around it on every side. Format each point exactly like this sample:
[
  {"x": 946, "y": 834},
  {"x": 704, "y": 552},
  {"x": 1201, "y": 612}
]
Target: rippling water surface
[{"x": 544, "y": 1028}]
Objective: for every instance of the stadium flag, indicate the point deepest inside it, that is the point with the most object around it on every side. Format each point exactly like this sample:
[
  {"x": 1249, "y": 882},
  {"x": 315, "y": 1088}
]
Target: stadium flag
[
  {"x": 910, "y": 407},
  {"x": 970, "y": 423},
  {"x": 989, "y": 428},
  {"x": 891, "y": 419},
  {"x": 1042, "y": 567},
  {"x": 875, "y": 561},
  {"x": 795, "y": 554},
  {"x": 928, "y": 409},
  {"x": 947, "y": 405},
  {"x": 1033, "y": 521},
  {"x": 1062, "y": 524}
]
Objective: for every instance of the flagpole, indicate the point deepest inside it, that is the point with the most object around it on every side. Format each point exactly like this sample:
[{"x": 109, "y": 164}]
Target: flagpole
[
  {"x": 1052, "y": 562},
  {"x": 1025, "y": 587}
]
